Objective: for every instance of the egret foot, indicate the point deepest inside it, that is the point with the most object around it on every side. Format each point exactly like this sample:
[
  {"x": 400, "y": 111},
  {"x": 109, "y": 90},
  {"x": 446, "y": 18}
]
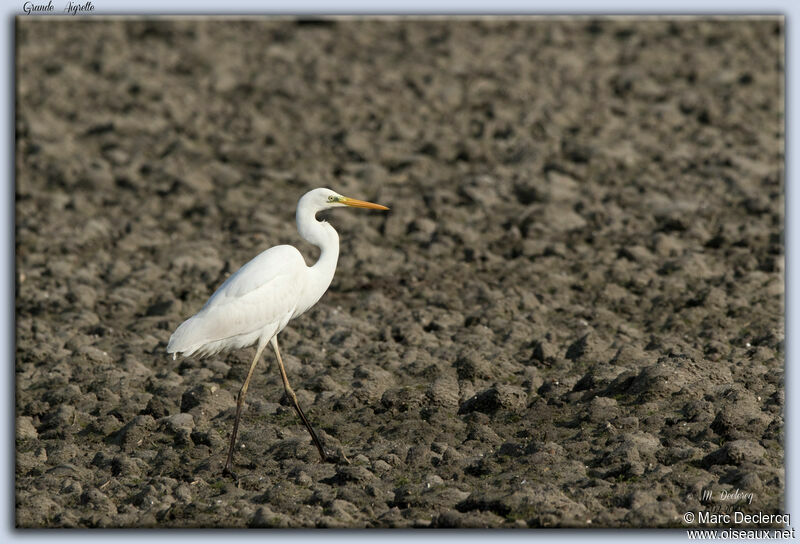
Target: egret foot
[
  {"x": 341, "y": 458},
  {"x": 228, "y": 472}
]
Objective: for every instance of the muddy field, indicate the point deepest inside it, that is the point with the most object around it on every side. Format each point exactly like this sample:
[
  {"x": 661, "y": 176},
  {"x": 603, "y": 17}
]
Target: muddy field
[{"x": 571, "y": 317}]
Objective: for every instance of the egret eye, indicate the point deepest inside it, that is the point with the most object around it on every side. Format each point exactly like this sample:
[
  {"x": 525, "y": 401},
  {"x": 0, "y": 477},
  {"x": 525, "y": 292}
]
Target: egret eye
[{"x": 332, "y": 198}]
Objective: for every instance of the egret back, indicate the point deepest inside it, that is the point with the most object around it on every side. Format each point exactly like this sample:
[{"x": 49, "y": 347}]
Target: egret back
[{"x": 254, "y": 303}]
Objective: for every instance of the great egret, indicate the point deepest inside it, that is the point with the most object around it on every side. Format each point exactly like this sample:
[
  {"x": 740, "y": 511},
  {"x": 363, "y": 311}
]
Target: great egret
[{"x": 260, "y": 299}]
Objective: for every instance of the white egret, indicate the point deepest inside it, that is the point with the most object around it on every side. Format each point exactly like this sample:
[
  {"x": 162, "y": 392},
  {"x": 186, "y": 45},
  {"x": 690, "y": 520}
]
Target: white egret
[{"x": 260, "y": 299}]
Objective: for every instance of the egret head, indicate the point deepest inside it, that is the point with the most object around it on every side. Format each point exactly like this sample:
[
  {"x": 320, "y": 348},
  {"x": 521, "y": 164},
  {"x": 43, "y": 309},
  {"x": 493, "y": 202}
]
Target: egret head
[{"x": 325, "y": 198}]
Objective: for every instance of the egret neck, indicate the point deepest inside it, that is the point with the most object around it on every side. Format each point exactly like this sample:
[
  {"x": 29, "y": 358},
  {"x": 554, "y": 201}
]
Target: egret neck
[{"x": 324, "y": 236}]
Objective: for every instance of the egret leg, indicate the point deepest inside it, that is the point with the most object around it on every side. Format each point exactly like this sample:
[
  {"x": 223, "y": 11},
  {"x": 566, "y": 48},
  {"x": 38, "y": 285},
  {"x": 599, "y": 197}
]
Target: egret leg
[
  {"x": 292, "y": 396},
  {"x": 239, "y": 403}
]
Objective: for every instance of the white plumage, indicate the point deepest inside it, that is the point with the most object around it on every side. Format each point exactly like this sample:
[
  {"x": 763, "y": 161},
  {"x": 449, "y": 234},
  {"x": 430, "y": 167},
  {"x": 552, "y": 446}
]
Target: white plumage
[
  {"x": 256, "y": 302},
  {"x": 259, "y": 300}
]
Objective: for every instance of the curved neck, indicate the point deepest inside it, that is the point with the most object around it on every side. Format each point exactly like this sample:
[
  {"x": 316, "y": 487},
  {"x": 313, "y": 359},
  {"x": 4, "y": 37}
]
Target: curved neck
[{"x": 322, "y": 235}]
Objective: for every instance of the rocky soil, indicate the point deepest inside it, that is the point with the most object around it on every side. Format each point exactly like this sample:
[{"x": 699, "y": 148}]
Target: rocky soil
[{"x": 572, "y": 316}]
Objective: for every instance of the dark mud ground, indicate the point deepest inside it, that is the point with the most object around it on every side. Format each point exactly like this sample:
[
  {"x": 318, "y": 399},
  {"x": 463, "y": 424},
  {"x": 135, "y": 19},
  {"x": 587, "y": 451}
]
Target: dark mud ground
[{"x": 572, "y": 316}]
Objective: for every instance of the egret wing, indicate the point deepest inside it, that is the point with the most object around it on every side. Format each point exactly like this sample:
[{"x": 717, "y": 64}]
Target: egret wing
[
  {"x": 259, "y": 299},
  {"x": 261, "y": 269}
]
